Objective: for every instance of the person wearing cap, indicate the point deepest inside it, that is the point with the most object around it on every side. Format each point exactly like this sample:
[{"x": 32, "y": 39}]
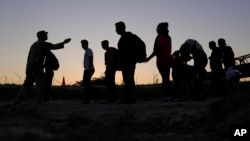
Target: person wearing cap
[{"x": 35, "y": 66}]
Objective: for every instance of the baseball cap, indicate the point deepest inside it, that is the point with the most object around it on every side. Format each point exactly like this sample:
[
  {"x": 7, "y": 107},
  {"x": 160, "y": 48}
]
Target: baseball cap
[{"x": 41, "y": 33}]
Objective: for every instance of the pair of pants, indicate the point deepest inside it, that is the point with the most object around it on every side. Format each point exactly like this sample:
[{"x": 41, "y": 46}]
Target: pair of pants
[
  {"x": 200, "y": 74},
  {"x": 49, "y": 73},
  {"x": 110, "y": 82},
  {"x": 166, "y": 84},
  {"x": 128, "y": 71},
  {"x": 33, "y": 75},
  {"x": 87, "y": 74}
]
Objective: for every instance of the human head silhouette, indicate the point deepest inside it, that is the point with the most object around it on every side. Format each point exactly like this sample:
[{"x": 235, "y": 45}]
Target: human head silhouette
[
  {"x": 162, "y": 28},
  {"x": 120, "y": 27},
  {"x": 42, "y": 35},
  {"x": 212, "y": 44},
  {"x": 85, "y": 44},
  {"x": 105, "y": 44},
  {"x": 221, "y": 42}
]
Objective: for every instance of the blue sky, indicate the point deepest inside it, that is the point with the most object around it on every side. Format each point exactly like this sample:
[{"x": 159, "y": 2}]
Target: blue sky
[{"x": 203, "y": 20}]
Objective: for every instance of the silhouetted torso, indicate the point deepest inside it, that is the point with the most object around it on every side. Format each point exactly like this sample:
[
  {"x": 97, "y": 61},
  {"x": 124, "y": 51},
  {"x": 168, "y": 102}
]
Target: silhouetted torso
[
  {"x": 126, "y": 49},
  {"x": 163, "y": 55},
  {"x": 111, "y": 58},
  {"x": 228, "y": 57},
  {"x": 216, "y": 59}
]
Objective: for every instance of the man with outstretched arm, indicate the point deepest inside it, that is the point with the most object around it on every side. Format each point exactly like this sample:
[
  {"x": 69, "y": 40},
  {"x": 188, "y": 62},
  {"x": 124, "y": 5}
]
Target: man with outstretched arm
[{"x": 34, "y": 67}]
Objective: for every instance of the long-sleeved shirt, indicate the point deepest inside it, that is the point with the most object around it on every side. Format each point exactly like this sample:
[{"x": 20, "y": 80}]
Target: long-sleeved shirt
[
  {"x": 38, "y": 51},
  {"x": 163, "y": 49},
  {"x": 111, "y": 58}
]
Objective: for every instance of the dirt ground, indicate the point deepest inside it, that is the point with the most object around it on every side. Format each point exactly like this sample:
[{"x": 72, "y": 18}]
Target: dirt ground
[{"x": 144, "y": 121}]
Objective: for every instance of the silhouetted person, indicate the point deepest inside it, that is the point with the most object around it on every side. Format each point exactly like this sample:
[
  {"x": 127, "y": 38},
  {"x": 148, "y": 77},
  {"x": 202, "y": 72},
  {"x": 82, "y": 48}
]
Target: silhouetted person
[
  {"x": 181, "y": 78},
  {"x": 51, "y": 64},
  {"x": 192, "y": 47},
  {"x": 111, "y": 60},
  {"x": 162, "y": 51},
  {"x": 227, "y": 54},
  {"x": 217, "y": 71},
  {"x": 34, "y": 67},
  {"x": 228, "y": 62},
  {"x": 127, "y": 61},
  {"x": 88, "y": 64}
]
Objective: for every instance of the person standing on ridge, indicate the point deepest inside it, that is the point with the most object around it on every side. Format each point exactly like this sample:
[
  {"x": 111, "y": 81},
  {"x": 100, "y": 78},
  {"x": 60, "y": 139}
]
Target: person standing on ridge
[
  {"x": 217, "y": 71},
  {"x": 127, "y": 61},
  {"x": 110, "y": 58},
  {"x": 162, "y": 51},
  {"x": 34, "y": 67},
  {"x": 89, "y": 69}
]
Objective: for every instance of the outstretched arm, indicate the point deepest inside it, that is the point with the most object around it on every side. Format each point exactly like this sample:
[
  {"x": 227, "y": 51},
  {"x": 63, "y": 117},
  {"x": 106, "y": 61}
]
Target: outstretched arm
[
  {"x": 66, "y": 41},
  {"x": 59, "y": 45}
]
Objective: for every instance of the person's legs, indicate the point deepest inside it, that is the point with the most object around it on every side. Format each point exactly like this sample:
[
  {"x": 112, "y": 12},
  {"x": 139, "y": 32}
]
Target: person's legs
[
  {"x": 48, "y": 84},
  {"x": 40, "y": 83},
  {"x": 217, "y": 82},
  {"x": 110, "y": 84},
  {"x": 166, "y": 84},
  {"x": 87, "y": 85},
  {"x": 28, "y": 83},
  {"x": 128, "y": 78},
  {"x": 199, "y": 94}
]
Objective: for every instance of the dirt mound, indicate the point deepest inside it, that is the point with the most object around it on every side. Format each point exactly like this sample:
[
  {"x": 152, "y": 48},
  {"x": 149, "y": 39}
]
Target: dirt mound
[{"x": 144, "y": 121}]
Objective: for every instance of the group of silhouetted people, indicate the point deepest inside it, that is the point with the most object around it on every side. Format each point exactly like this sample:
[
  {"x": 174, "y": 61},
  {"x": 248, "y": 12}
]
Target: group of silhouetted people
[
  {"x": 222, "y": 63},
  {"x": 124, "y": 58}
]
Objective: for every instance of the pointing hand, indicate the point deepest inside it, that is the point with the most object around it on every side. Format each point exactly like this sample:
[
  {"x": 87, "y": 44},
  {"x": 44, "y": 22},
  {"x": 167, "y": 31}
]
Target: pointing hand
[{"x": 66, "y": 41}]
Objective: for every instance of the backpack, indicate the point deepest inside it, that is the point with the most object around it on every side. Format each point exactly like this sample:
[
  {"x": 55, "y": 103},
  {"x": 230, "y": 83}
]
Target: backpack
[
  {"x": 51, "y": 61},
  {"x": 140, "y": 49}
]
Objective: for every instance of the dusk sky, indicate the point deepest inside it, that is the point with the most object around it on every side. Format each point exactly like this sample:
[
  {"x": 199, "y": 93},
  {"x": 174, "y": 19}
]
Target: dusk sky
[{"x": 203, "y": 20}]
